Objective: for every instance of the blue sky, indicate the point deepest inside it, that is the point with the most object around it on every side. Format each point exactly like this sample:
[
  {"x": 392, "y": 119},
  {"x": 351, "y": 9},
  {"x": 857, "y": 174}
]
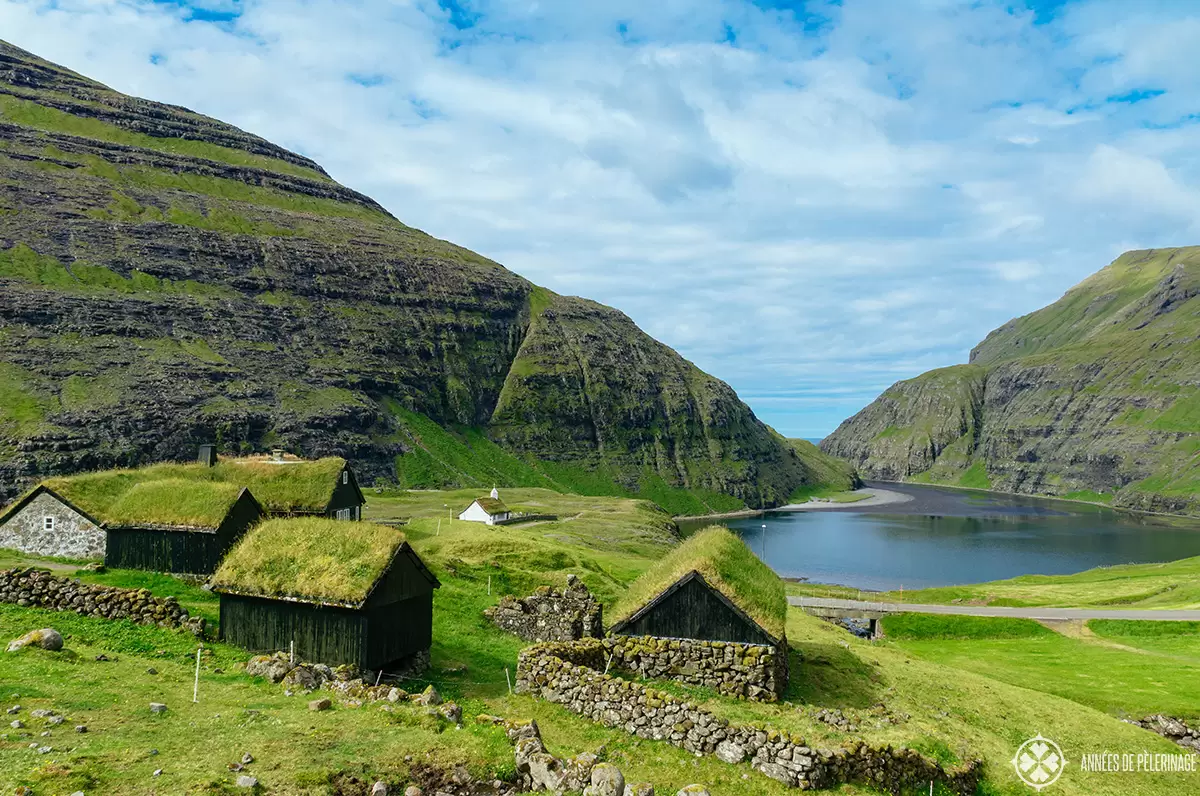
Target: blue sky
[{"x": 810, "y": 200}]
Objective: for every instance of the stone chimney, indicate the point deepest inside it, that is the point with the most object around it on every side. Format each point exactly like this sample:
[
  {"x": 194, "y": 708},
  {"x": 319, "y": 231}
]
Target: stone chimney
[
  {"x": 277, "y": 454},
  {"x": 208, "y": 455}
]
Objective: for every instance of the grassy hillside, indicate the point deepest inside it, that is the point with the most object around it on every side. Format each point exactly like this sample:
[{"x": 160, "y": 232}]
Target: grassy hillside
[
  {"x": 168, "y": 280},
  {"x": 1093, "y": 397},
  {"x": 952, "y": 709}
]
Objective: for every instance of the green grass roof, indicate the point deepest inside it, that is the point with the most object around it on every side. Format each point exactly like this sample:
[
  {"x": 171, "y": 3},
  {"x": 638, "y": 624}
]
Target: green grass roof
[
  {"x": 295, "y": 486},
  {"x": 491, "y": 505},
  {"x": 728, "y": 565},
  {"x": 311, "y": 559},
  {"x": 173, "y": 501}
]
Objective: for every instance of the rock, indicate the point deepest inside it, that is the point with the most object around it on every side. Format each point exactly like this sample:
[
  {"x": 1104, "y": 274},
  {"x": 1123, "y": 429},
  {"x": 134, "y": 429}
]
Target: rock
[
  {"x": 545, "y": 771},
  {"x": 158, "y": 707},
  {"x": 14, "y": 709},
  {"x": 247, "y": 759},
  {"x": 81, "y": 728},
  {"x": 43, "y": 713},
  {"x": 379, "y": 789},
  {"x": 451, "y": 712},
  {"x": 152, "y": 670},
  {"x": 577, "y": 771},
  {"x": 693, "y": 790},
  {"x": 45, "y": 750},
  {"x": 607, "y": 780},
  {"x": 47, "y": 638},
  {"x": 157, "y": 772},
  {"x": 247, "y": 781},
  {"x": 640, "y": 789},
  {"x": 413, "y": 790},
  {"x": 301, "y": 678},
  {"x": 429, "y": 697},
  {"x": 729, "y": 752},
  {"x": 396, "y": 694},
  {"x": 273, "y": 667},
  {"x": 55, "y": 720},
  {"x": 320, "y": 704},
  {"x": 17, "y": 724}
]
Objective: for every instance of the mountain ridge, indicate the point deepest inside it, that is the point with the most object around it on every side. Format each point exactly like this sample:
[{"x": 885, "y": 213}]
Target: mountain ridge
[
  {"x": 1096, "y": 396},
  {"x": 167, "y": 279}
]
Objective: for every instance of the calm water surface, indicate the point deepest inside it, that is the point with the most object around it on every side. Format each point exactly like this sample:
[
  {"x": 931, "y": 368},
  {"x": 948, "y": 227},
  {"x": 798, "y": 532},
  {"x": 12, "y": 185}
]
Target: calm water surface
[{"x": 945, "y": 537}]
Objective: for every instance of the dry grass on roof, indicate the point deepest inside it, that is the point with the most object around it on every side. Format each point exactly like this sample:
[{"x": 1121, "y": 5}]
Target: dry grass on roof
[
  {"x": 173, "y": 501},
  {"x": 311, "y": 559},
  {"x": 728, "y": 565}
]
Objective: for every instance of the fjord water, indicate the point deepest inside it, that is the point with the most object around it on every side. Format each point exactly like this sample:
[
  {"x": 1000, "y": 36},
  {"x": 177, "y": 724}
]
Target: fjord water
[{"x": 945, "y": 537}]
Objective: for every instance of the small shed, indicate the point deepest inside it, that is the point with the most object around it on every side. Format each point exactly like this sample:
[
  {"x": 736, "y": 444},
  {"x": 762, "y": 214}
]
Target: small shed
[
  {"x": 490, "y": 510},
  {"x": 341, "y": 592},
  {"x": 177, "y": 525},
  {"x": 46, "y": 523},
  {"x": 711, "y": 588}
]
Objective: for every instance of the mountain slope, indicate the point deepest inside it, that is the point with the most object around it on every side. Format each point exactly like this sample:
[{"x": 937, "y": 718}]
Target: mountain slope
[
  {"x": 167, "y": 279},
  {"x": 1095, "y": 396}
]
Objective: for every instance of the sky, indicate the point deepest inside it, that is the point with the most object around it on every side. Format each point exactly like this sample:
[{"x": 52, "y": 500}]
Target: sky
[{"x": 809, "y": 200}]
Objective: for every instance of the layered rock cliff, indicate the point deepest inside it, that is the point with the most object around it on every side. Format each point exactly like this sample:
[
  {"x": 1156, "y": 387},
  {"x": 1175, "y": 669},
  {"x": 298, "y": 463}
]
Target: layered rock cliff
[
  {"x": 1096, "y": 396},
  {"x": 167, "y": 279}
]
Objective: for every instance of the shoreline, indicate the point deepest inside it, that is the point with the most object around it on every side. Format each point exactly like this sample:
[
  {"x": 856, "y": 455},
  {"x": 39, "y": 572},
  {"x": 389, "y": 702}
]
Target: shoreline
[
  {"x": 1110, "y": 507},
  {"x": 876, "y": 497}
]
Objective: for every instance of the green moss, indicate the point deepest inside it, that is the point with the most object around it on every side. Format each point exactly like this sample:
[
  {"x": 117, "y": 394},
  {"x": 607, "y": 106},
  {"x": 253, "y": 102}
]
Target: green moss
[
  {"x": 23, "y": 406},
  {"x": 41, "y": 117},
  {"x": 1088, "y": 496},
  {"x": 175, "y": 502}
]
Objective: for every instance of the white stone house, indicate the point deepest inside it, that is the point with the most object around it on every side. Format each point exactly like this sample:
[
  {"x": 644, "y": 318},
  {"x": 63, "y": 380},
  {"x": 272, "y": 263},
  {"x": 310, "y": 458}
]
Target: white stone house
[
  {"x": 489, "y": 510},
  {"x": 47, "y": 524}
]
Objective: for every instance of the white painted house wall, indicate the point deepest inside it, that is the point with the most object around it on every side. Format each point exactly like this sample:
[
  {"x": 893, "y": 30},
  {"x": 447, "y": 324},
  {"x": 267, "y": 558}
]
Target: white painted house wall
[
  {"x": 476, "y": 513},
  {"x": 49, "y": 527}
]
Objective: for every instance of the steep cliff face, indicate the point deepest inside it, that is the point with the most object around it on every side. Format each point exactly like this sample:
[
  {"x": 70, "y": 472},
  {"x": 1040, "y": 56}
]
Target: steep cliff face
[
  {"x": 166, "y": 279},
  {"x": 1096, "y": 396}
]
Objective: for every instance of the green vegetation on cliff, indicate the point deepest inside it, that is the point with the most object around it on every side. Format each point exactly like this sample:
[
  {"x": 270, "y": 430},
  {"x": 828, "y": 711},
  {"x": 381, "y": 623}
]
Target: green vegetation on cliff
[
  {"x": 1094, "y": 397},
  {"x": 168, "y": 280}
]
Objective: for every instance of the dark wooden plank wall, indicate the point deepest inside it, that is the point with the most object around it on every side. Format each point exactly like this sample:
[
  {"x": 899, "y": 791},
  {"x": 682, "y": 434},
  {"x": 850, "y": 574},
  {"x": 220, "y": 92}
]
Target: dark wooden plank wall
[
  {"x": 164, "y": 551},
  {"x": 696, "y": 611},
  {"x": 321, "y": 633},
  {"x": 346, "y": 496},
  {"x": 371, "y": 638},
  {"x": 402, "y": 580}
]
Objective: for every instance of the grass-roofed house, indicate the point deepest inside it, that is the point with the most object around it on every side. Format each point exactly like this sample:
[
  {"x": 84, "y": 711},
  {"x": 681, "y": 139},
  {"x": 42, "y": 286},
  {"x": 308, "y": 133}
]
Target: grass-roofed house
[
  {"x": 490, "y": 510},
  {"x": 708, "y": 613},
  {"x": 177, "y": 525},
  {"x": 341, "y": 592},
  {"x": 291, "y": 487}
]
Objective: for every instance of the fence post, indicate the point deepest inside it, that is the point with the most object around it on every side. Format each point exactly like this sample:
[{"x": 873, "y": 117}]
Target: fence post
[
  {"x": 196, "y": 685},
  {"x": 509, "y": 679}
]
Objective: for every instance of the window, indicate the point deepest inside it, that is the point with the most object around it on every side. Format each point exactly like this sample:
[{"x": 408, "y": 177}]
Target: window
[
  {"x": 47, "y": 523},
  {"x": 345, "y": 477},
  {"x": 344, "y": 514}
]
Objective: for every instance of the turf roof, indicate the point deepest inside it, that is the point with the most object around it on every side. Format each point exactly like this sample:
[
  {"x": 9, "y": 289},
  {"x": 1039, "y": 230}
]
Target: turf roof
[
  {"x": 311, "y": 559},
  {"x": 174, "y": 502},
  {"x": 294, "y": 486},
  {"x": 728, "y": 565},
  {"x": 492, "y": 506}
]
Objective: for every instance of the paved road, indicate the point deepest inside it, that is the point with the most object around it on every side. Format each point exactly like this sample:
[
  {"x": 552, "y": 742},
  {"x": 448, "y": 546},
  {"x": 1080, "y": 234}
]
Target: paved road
[{"x": 988, "y": 610}]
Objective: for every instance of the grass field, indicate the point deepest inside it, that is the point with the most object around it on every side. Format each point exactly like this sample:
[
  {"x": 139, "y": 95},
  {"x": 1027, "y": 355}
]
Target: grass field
[
  {"x": 950, "y": 708},
  {"x": 1175, "y": 584}
]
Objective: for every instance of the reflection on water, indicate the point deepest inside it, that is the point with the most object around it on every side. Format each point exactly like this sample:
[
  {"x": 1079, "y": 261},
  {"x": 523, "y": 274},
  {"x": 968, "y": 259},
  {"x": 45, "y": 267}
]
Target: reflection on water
[{"x": 946, "y": 538}]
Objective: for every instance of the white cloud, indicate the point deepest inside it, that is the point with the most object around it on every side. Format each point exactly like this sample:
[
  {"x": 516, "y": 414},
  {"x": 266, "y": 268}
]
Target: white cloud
[{"x": 809, "y": 212}]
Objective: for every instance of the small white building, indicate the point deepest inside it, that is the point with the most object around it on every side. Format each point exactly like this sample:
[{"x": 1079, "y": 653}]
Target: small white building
[
  {"x": 47, "y": 524},
  {"x": 489, "y": 510}
]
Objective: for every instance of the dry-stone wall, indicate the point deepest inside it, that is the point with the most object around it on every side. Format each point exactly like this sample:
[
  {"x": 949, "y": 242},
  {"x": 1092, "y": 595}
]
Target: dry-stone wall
[
  {"x": 1172, "y": 729},
  {"x": 40, "y": 589},
  {"x": 551, "y": 615},
  {"x": 569, "y": 674},
  {"x": 748, "y": 671}
]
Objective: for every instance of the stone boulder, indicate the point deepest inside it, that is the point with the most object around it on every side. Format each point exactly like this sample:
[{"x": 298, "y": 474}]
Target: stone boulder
[
  {"x": 47, "y": 638},
  {"x": 640, "y": 789},
  {"x": 607, "y": 780},
  {"x": 273, "y": 667}
]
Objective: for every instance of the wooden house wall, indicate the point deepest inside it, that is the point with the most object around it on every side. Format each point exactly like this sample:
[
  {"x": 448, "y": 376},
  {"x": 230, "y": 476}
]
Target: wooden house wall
[
  {"x": 345, "y": 496},
  {"x": 370, "y": 638},
  {"x": 403, "y": 579},
  {"x": 323, "y": 634},
  {"x": 695, "y": 611},
  {"x": 164, "y": 551}
]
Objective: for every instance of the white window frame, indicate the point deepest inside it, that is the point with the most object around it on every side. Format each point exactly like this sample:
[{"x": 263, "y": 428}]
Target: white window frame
[
  {"x": 48, "y": 523},
  {"x": 345, "y": 477}
]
